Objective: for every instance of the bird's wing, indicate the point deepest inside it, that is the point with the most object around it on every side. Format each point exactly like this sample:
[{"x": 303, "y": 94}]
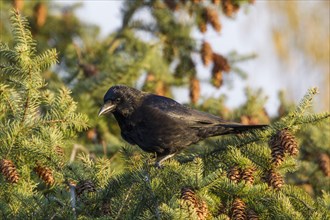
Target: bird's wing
[{"x": 175, "y": 110}]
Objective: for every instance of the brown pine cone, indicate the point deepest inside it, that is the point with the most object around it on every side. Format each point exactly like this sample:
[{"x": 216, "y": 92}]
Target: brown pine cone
[
  {"x": 88, "y": 69},
  {"x": 234, "y": 174},
  {"x": 85, "y": 186},
  {"x": 189, "y": 197},
  {"x": 275, "y": 180},
  {"x": 202, "y": 211},
  {"x": 59, "y": 151},
  {"x": 247, "y": 175},
  {"x": 40, "y": 14},
  {"x": 229, "y": 7},
  {"x": 238, "y": 211},
  {"x": 46, "y": 174},
  {"x": 202, "y": 26},
  {"x": 216, "y": 2},
  {"x": 171, "y": 4},
  {"x": 277, "y": 150},
  {"x": 252, "y": 215},
  {"x": 18, "y": 4},
  {"x": 217, "y": 79},
  {"x": 288, "y": 142},
  {"x": 220, "y": 62},
  {"x": 161, "y": 88},
  {"x": 324, "y": 162},
  {"x": 213, "y": 18},
  {"x": 207, "y": 54},
  {"x": 194, "y": 89},
  {"x": 9, "y": 171}
]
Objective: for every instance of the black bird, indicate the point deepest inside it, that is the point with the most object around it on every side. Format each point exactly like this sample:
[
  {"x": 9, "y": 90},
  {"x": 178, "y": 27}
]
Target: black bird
[{"x": 160, "y": 125}]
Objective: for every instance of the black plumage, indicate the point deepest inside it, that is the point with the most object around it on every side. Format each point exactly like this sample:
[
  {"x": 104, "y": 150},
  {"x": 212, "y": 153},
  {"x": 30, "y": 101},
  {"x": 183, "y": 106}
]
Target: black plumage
[{"x": 160, "y": 125}]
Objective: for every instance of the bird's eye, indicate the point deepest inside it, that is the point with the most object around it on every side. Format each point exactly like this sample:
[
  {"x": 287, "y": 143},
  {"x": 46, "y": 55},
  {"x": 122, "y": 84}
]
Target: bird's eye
[{"x": 117, "y": 100}]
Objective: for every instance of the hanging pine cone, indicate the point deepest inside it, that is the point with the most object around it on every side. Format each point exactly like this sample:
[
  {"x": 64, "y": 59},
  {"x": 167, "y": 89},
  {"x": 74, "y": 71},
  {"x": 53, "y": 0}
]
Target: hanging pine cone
[
  {"x": 189, "y": 198},
  {"x": 207, "y": 54},
  {"x": 202, "y": 26},
  {"x": 88, "y": 69},
  {"x": 221, "y": 62},
  {"x": 213, "y": 18},
  {"x": 9, "y": 171},
  {"x": 171, "y": 4},
  {"x": 46, "y": 174},
  {"x": 252, "y": 215},
  {"x": 202, "y": 211},
  {"x": 234, "y": 174},
  {"x": 59, "y": 151},
  {"x": 40, "y": 14},
  {"x": 18, "y": 4},
  {"x": 217, "y": 78},
  {"x": 105, "y": 208},
  {"x": 288, "y": 142},
  {"x": 216, "y": 2},
  {"x": 238, "y": 210},
  {"x": 229, "y": 7},
  {"x": 280, "y": 143},
  {"x": 275, "y": 180},
  {"x": 277, "y": 151},
  {"x": 247, "y": 175},
  {"x": 324, "y": 162},
  {"x": 161, "y": 88},
  {"x": 194, "y": 89},
  {"x": 85, "y": 186}
]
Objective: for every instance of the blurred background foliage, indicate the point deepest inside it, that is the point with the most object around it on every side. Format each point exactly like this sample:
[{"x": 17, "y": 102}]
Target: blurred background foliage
[{"x": 160, "y": 53}]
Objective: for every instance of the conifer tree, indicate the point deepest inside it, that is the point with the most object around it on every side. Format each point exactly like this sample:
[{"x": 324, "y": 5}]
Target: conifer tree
[
  {"x": 277, "y": 173},
  {"x": 35, "y": 123}
]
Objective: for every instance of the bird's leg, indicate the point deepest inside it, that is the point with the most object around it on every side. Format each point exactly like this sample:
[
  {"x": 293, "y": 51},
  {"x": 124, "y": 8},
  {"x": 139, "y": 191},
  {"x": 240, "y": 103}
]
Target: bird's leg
[{"x": 161, "y": 159}]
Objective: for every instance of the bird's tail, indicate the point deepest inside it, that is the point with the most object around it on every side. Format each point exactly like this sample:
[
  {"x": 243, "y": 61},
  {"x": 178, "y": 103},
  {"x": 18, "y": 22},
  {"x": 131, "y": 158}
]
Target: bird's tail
[{"x": 240, "y": 128}]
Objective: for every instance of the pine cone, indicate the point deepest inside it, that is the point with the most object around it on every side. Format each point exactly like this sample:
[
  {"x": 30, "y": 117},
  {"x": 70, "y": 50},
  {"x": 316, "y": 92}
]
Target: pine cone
[
  {"x": 194, "y": 89},
  {"x": 105, "y": 208},
  {"x": 213, "y": 18},
  {"x": 280, "y": 143},
  {"x": 9, "y": 170},
  {"x": 202, "y": 26},
  {"x": 221, "y": 62},
  {"x": 207, "y": 54},
  {"x": 234, "y": 174},
  {"x": 189, "y": 198},
  {"x": 252, "y": 215},
  {"x": 171, "y": 4},
  {"x": 216, "y": 2},
  {"x": 288, "y": 142},
  {"x": 229, "y": 7},
  {"x": 89, "y": 70},
  {"x": 202, "y": 211},
  {"x": 275, "y": 180},
  {"x": 59, "y": 151},
  {"x": 247, "y": 175},
  {"x": 217, "y": 78},
  {"x": 45, "y": 174},
  {"x": 238, "y": 210},
  {"x": 324, "y": 162},
  {"x": 85, "y": 186},
  {"x": 161, "y": 88},
  {"x": 40, "y": 14},
  {"x": 18, "y": 4},
  {"x": 277, "y": 151}
]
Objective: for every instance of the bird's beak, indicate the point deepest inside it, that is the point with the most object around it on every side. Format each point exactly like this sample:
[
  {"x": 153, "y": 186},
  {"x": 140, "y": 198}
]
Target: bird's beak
[{"x": 106, "y": 108}]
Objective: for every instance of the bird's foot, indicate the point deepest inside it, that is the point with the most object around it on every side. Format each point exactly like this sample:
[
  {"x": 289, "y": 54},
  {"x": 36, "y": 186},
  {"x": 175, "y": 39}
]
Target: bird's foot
[{"x": 161, "y": 159}]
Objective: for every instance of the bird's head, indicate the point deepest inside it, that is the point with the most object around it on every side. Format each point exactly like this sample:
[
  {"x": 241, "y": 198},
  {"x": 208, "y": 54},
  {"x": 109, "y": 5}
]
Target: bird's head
[{"x": 121, "y": 100}]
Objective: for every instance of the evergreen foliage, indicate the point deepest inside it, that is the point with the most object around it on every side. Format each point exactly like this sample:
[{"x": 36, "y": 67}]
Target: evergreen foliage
[{"x": 273, "y": 173}]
